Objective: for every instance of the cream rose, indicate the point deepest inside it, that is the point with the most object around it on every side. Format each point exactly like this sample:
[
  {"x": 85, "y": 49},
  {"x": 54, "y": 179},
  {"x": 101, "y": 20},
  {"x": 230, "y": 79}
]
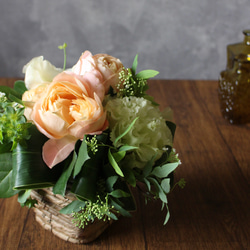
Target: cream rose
[
  {"x": 108, "y": 66},
  {"x": 68, "y": 109},
  {"x": 39, "y": 71}
]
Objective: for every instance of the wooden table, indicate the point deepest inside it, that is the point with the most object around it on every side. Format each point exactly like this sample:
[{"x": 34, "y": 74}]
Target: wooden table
[{"x": 211, "y": 212}]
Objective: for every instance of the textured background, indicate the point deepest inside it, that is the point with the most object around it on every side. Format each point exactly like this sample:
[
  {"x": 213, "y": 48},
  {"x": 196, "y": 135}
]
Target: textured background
[{"x": 180, "y": 38}]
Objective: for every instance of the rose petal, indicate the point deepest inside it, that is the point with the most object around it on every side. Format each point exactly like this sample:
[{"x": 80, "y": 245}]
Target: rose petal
[{"x": 57, "y": 150}]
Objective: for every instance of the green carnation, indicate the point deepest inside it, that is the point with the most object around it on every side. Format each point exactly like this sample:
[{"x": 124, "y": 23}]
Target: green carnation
[{"x": 149, "y": 134}]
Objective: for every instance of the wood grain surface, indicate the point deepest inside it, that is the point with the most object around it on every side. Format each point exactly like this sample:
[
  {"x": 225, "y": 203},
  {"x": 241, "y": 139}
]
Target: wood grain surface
[{"x": 211, "y": 212}]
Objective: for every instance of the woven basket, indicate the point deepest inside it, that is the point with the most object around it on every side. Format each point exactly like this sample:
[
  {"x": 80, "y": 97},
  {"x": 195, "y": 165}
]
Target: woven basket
[{"x": 48, "y": 216}]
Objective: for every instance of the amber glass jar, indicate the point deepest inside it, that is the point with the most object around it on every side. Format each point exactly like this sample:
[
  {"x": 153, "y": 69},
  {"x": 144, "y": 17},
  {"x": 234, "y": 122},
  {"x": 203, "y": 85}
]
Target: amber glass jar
[{"x": 234, "y": 83}]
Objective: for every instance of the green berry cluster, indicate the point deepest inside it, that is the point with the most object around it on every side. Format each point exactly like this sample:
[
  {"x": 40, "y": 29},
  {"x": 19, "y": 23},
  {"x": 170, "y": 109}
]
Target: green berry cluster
[
  {"x": 99, "y": 210},
  {"x": 130, "y": 85}
]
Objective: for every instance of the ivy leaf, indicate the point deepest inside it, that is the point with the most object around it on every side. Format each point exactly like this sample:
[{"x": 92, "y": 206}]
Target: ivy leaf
[
  {"x": 6, "y": 178},
  {"x": 146, "y": 74}
]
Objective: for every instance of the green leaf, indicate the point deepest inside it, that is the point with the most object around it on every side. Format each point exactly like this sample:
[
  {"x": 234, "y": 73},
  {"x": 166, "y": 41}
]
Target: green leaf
[
  {"x": 74, "y": 206},
  {"x": 61, "y": 184},
  {"x": 110, "y": 182},
  {"x": 10, "y": 91},
  {"x": 29, "y": 169},
  {"x": 167, "y": 216},
  {"x": 119, "y": 208},
  {"x": 171, "y": 126},
  {"x": 146, "y": 74},
  {"x": 118, "y": 156},
  {"x": 147, "y": 184},
  {"x": 165, "y": 184},
  {"x": 118, "y": 193},
  {"x": 129, "y": 176},
  {"x": 159, "y": 190},
  {"x": 6, "y": 178},
  {"x": 19, "y": 86},
  {"x": 114, "y": 164},
  {"x": 126, "y": 131},
  {"x": 148, "y": 167},
  {"x": 23, "y": 195},
  {"x": 165, "y": 170},
  {"x": 127, "y": 148},
  {"x": 134, "y": 66},
  {"x": 81, "y": 158},
  {"x": 85, "y": 183}
]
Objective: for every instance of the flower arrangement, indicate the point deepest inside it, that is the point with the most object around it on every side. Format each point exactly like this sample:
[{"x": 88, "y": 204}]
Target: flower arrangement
[{"x": 91, "y": 129}]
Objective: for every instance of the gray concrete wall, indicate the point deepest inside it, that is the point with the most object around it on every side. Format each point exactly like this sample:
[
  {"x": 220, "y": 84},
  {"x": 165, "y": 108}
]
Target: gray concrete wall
[{"x": 183, "y": 39}]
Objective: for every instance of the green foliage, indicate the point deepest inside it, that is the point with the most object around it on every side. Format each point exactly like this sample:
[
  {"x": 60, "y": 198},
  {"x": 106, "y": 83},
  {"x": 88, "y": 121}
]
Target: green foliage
[
  {"x": 13, "y": 124},
  {"x": 6, "y": 176}
]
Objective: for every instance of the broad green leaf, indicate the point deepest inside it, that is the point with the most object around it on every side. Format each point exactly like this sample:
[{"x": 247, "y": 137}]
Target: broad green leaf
[
  {"x": 118, "y": 193},
  {"x": 165, "y": 170},
  {"x": 19, "y": 86},
  {"x": 126, "y": 131},
  {"x": 5, "y": 148},
  {"x": 81, "y": 158},
  {"x": 74, "y": 206},
  {"x": 29, "y": 169},
  {"x": 85, "y": 184},
  {"x": 114, "y": 164},
  {"x": 146, "y": 74},
  {"x": 134, "y": 66},
  {"x": 6, "y": 178},
  {"x": 61, "y": 184}
]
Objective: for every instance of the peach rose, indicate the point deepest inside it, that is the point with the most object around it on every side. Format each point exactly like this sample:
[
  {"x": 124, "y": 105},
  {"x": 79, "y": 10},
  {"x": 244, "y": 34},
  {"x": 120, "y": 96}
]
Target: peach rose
[
  {"x": 107, "y": 65},
  {"x": 68, "y": 109}
]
